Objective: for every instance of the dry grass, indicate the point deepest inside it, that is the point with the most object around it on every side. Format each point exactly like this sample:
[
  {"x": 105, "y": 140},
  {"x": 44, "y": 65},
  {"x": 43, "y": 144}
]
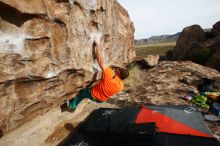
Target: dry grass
[
  {"x": 158, "y": 48},
  {"x": 135, "y": 76}
]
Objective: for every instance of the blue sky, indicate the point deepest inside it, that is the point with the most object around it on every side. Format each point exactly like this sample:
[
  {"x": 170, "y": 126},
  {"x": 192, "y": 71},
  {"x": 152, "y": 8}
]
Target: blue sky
[{"x": 157, "y": 17}]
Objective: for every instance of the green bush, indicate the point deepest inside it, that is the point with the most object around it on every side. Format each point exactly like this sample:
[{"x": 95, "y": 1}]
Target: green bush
[{"x": 200, "y": 55}]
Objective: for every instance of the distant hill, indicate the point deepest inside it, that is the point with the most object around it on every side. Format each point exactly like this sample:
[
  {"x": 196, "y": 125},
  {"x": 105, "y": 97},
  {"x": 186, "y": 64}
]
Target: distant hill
[
  {"x": 161, "y": 38},
  {"x": 157, "y": 39}
]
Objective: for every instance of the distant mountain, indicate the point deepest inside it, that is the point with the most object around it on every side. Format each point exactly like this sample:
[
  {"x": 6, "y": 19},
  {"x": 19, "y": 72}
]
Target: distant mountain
[
  {"x": 161, "y": 38},
  {"x": 157, "y": 39}
]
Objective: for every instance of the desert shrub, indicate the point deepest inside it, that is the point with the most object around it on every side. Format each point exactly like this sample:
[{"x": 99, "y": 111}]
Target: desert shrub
[
  {"x": 131, "y": 65},
  {"x": 169, "y": 54},
  {"x": 200, "y": 55}
]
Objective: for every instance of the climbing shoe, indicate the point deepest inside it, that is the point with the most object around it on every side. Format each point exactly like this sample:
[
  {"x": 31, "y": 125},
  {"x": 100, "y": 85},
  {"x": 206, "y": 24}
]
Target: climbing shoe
[{"x": 66, "y": 107}]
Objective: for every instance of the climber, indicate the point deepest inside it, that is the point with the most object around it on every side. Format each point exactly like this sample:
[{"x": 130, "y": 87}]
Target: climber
[{"x": 110, "y": 84}]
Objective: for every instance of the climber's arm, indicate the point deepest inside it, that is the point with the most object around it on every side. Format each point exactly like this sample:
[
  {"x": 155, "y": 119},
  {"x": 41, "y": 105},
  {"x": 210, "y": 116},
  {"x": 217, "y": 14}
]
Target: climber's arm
[{"x": 98, "y": 53}]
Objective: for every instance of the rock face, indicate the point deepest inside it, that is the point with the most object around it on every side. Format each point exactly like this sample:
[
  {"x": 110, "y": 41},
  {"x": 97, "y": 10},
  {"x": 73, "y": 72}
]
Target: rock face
[
  {"x": 214, "y": 60},
  {"x": 199, "y": 46},
  {"x": 166, "y": 83},
  {"x": 216, "y": 29},
  {"x": 47, "y": 52},
  {"x": 188, "y": 39}
]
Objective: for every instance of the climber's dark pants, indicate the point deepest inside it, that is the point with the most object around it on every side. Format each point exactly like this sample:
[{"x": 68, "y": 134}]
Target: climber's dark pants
[{"x": 85, "y": 93}]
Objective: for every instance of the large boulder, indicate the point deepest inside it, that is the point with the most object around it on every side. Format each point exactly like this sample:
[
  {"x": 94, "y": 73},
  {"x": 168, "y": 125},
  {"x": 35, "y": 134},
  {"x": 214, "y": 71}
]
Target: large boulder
[
  {"x": 189, "y": 38},
  {"x": 216, "y": 29},
  {"x": 149, "y": 60},
  {"x": 198, "y": 45},
  {"x": 166, "y": 83},
  {"x": 216, "y": 39},
  {"x": 47, "y": 52},
  {"x": 214, "y": 59}
]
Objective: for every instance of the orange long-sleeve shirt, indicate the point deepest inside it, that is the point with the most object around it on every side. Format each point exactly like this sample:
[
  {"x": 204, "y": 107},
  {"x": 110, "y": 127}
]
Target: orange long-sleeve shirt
[{"x": 109, "y": 85}]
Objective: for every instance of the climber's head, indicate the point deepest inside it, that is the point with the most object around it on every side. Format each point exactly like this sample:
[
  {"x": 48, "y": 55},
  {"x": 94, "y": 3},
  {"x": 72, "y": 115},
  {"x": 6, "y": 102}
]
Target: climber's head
[{"x": 121, "y": 72}]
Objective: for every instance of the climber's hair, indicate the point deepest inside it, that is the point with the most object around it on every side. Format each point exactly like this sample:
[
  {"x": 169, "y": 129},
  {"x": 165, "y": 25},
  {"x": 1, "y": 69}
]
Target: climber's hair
[{"x": 124, "y": 73}]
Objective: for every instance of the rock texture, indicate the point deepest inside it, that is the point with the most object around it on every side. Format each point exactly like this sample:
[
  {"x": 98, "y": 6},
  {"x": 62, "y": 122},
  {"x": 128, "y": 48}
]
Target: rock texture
[
  {"x": 149, "y": 60},
  {"x": 47, "y": 52},
  {"x": 166, "y": 83},
  {"x": 189, "y": 38},
  {"x": 214, "y": 60},
  {"x": 199, "y": 46},
  {"x": 51, "y": 128}
]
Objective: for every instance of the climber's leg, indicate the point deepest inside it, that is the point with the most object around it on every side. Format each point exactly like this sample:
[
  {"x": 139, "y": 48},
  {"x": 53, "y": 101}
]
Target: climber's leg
[{"x": 85, "y": 93}]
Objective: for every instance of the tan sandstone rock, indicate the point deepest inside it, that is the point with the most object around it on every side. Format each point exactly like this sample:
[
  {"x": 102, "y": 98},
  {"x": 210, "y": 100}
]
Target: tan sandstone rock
[
  {"x": 150, "y": 60},
  {"x": 47, "y": 53}
]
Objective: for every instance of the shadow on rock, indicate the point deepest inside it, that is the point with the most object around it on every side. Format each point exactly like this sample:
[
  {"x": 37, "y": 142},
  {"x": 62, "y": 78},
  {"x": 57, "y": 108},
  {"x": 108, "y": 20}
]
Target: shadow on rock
[
  {"x": 69, "y": 127},
  {"x": 64, "y": 108},
  {"x": 72, "y": 130},
  {"x": 69, "y": 140},
  {"x": 1, "y": 133}
]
